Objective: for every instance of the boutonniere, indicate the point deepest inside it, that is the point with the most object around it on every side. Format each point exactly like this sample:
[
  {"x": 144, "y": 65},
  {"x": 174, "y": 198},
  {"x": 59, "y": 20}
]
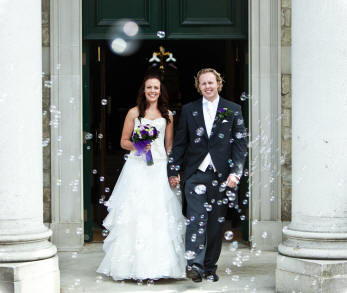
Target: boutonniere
[{"x": 223, "y": 113}]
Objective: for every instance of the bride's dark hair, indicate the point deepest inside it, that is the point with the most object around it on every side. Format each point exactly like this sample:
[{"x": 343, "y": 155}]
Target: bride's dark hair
[{"x": 162, "y": 105}]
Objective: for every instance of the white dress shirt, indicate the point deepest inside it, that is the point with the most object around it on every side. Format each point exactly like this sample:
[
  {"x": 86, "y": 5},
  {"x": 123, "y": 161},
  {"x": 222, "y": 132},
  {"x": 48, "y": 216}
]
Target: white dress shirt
[{"x": 209, "y": 111}]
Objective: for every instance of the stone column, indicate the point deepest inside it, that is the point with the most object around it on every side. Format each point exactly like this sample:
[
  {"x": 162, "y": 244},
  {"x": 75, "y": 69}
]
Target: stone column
[
  {"x": 313, "y": 258},
  {"x": 27, "y": 259}
]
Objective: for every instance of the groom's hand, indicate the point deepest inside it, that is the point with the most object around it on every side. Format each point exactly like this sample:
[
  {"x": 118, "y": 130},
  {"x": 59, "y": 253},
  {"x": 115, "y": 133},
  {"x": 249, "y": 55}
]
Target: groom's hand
[
  {"x": 173, "y": 180},
  {"x": 232, "y": 181}
]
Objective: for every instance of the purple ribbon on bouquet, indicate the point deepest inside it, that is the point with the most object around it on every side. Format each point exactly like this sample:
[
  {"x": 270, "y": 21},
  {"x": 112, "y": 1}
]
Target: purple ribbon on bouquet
[{"x": 140, "y": 147}]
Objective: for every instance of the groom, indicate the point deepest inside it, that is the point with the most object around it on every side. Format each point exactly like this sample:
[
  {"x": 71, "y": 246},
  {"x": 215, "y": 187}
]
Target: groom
[{"x": 210, "y": 143}]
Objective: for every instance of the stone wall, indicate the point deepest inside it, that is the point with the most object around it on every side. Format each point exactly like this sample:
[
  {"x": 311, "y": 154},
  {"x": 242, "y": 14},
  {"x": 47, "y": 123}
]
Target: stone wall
[
  {"x": 286, "y": 151},
  {"x": 45, "y": 113}
]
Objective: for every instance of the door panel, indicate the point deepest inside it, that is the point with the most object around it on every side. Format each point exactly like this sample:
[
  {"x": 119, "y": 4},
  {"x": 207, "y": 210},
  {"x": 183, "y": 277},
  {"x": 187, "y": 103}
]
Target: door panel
[
  {"x": 180, "y": 19},
  {"x": 100, "y": 15},
  {"x": 206, "y": 19}
]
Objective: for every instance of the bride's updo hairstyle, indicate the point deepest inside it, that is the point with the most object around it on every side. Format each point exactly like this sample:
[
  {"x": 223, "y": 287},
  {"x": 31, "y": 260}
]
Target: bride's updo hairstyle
[{"x": 141, "y": 101}]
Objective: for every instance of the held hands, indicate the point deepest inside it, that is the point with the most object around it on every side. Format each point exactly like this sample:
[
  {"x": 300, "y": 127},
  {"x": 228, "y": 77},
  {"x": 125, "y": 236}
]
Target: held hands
[
  {"x": 173, "y": 180},
  {"x": 148, "y": 147},
  {"x": 232, "y": 181}
]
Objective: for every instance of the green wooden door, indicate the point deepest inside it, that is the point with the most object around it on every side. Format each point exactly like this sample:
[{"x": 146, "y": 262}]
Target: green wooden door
[{"x": 180, "y": 19}]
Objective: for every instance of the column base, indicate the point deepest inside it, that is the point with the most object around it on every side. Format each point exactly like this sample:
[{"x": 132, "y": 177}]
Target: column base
[
  {"x": 41, "y": 276},
  {"x": 310, "y": 276}
]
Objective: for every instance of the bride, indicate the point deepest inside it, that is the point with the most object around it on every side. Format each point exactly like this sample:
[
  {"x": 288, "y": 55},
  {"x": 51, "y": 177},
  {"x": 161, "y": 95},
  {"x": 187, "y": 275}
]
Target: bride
[{"x": 144, "y": 220}]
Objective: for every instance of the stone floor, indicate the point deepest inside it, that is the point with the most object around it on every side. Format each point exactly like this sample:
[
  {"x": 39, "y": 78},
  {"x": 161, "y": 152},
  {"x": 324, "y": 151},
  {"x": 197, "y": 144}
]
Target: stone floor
[{"x": 239, "y": 271}]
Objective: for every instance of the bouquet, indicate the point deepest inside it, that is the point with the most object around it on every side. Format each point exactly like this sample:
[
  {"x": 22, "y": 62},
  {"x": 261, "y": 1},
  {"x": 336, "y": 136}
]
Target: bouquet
[{"x": 142, "y": 136}]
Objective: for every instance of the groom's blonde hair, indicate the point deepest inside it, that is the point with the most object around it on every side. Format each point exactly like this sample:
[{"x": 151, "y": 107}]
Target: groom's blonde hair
[{"x": 218, "y": 76}]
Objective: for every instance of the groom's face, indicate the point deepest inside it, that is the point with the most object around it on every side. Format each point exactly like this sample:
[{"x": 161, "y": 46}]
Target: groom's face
[{"x": 208, "y": 86}]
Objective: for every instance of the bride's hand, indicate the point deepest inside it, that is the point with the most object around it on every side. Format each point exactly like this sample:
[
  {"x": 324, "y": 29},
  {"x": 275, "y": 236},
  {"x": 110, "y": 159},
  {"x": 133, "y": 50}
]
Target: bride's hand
[{"x": 148, "y": 147}]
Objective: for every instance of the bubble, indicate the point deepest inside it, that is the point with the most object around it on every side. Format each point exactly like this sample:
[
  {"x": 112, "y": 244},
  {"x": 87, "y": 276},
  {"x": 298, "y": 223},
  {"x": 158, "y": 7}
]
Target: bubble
[
  {"x": 125, "y": 157},
  {"x": 201, "y": 231},
  {"x": 200, "y": 189},
  {"x": 209, "y": 208},
  {"x": 243, "y": 96},
  {"x": 104, "y": 233},
  {"x": 231, "y": 140},
  {"x": 228, "y": 235},
  {"x": 221, "y": 219},
  {"x": 225, "y": 200},
  {"x": 254, "y": 222},
  {"x": 220, "y": 175},
  {"x": 177, "y": 167},
  {"x": 228, "y": 271},
  {"x": 58, "y": 182},
  {"x": 282, "y": 160},
  {"x": 74, "y": 255},
  {"x": 235, "y": 278},
  {"x": 187, "y": 222},
  {"x": 119, "y": 46},
  {"x": 100, "y": 135},
  {"x": 139, "y": 282},
  {"x": 239, "y": 121},
  {"x": 192, "y": 218},
  {"x": 161, "y": 34},
  {"x": 131, "y": 28},
  {"x": 102, "y": 178},
  {"x": 221, "y": 135},
  {"x": 238, "y": 135},
  {"x": 189, "y": 255},
  {"x": 231, "y": 205},
  {"x": 201, "y": 246},
  {"x": 48, "y": 83},
  {"x": 222, "y": 186},
  {"x": 88, "y": 136},
  {"x": 201, "y": 224},
  {"x": 200, "y": 131},
  {"x": 45, "y": 142},
  {"x": 242, "y": 217},
  {"x": 233, "y": 246},
  {"x": 258, "y": 252},
  {"x": 101, "y": 200},
  {"x": 88, "y": 147},
  {"x": 245, "y": 202},
  {"x": 272, "y": 198},
  {"x": 197, "y": 140},
  {"x": 264, "y": 235},
  {"x": 231, "y": 196},
  {"x": 94, "y": 171},
  {"x": 150, "y": 283},
  {"x": 195, "y": 113},
  {"x": 107, "y": 189},
  {"x": 245, "y": 173},
  {"x": 219, "y": 202},
  {"x": 213, "y": 200},
  {"x": 104, "y": 102},
  {"x": 171, "y": 159},
  {"x": 214, "y": 183},
  {"x": 79, "y": 231}
]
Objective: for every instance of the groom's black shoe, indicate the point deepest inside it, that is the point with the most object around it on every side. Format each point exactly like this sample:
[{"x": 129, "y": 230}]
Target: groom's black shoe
[
  {"x": 212, "y": 277},
  {"x": 194, "y": 273}
]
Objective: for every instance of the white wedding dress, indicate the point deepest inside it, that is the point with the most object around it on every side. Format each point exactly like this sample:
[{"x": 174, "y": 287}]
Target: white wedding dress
[{"x": 145, "y": 222}]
